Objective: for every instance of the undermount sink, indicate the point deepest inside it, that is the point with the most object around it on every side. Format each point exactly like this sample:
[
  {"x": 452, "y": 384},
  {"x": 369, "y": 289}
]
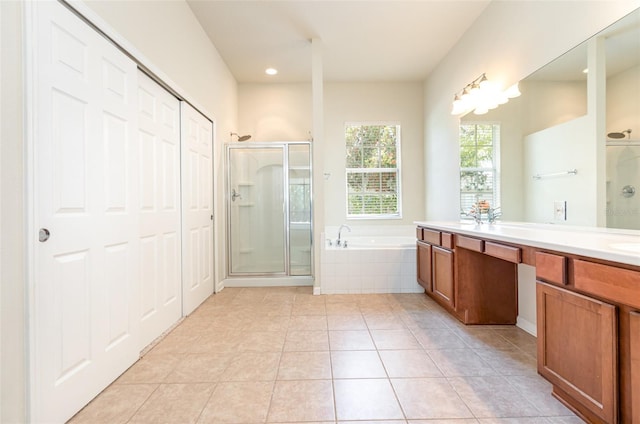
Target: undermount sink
[{"x": 629, "y": 247}]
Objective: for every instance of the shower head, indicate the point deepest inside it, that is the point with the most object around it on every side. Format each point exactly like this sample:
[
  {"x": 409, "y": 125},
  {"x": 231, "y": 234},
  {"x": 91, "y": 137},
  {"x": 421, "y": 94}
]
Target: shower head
[
  {"x": 241, "y": 137},
  {"x": 619, "y": 134}
]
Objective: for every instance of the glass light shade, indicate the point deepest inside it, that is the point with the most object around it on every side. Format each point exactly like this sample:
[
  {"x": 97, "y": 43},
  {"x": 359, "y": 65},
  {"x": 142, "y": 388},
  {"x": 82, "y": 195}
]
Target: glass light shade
[
  {"x": 480, "y": 110},
  {"x": 512, "y": 91}
]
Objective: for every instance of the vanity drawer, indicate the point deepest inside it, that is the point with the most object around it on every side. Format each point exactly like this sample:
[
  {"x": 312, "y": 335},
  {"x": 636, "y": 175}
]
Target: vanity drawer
[
  {"x": 470, "y": 243},
  {"x": 447, "y": 240},
  {"x": 508, "y": 253},
  {"x": 431, "y": 236},
  {"x": 608, "y": 282},
  {"x": 419, "y": 234},
  {"x": 551, "y": 268}
]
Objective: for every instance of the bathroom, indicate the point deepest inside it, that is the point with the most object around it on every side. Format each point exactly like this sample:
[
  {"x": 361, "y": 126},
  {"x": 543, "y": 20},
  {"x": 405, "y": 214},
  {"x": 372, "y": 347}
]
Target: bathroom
[{"x": 288, "y": 111}]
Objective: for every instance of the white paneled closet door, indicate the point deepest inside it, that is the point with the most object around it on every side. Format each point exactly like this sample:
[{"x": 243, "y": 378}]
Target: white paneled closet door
[
  {"x": 197, "y": 208},
  {"x": 85, "y": 285},
  {"x": 160, "y": 256}
]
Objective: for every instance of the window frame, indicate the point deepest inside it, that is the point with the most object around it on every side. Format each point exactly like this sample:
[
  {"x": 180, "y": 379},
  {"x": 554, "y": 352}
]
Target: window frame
[
  {"x": 495, "y": 201},
  {"x": 397, "y": 169}
]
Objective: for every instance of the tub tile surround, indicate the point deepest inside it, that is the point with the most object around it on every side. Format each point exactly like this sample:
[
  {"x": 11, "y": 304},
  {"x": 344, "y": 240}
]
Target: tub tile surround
[
  {"x": 385, "y": 359},
  {"x": 371, "y": 269}
]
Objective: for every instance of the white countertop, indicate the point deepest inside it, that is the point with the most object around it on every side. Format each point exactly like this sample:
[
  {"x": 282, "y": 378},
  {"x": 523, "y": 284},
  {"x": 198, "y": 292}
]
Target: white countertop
[{"x": 602, "y": 243}]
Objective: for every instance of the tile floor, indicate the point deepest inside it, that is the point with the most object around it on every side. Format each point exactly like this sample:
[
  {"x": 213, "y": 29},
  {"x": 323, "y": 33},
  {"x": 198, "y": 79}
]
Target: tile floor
[{"x": 282, "y": 355}]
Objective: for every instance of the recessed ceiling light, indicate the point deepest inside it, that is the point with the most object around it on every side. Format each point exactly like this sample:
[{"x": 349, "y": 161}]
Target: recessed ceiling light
[
  {"x": 585, "y": 71},
  {"x": 271, "y": 71}
]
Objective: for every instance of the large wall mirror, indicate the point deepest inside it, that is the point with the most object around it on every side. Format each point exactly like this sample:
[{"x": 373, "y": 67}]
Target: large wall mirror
[{"x": 568, "y": 150}]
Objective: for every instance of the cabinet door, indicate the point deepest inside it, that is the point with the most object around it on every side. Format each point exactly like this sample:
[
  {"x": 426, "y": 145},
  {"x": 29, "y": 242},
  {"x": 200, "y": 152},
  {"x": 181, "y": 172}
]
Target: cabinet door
[
  {"x": 423, "y": 262},
  {"x": 577, "y": 350},
  {"x": 442, "y": 272},
  {"x": 635, "y": 366}
]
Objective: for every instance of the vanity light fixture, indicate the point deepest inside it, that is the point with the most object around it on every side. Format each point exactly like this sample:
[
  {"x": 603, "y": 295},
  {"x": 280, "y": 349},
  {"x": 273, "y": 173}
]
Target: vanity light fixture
[{"x": 482, "y": 95}]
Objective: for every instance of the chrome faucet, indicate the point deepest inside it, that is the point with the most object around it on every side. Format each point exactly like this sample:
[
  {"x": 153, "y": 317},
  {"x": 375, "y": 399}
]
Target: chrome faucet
[{"x": 338, "y": 242}]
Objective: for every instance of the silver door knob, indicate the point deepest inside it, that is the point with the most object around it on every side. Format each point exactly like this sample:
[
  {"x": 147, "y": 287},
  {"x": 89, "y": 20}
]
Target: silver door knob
[{"x": 43, "y": 235}]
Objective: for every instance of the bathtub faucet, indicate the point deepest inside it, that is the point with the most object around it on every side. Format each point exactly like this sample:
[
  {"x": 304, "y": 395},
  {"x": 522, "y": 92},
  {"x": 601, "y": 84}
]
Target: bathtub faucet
[{"x": 338, "y": 242}]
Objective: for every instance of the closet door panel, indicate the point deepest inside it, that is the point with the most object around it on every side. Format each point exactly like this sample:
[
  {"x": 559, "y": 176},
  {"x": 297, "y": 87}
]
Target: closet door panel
[
  {"x": 197, "y": 191},
  {"x": 85, "y": 286},
  {"x": 159, "y": 144}
]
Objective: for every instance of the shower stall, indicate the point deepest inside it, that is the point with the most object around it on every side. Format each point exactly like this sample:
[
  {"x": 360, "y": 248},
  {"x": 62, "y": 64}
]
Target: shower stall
[
  {"x": 269, "y": 210},
  {"x": 623, "y": 184}
]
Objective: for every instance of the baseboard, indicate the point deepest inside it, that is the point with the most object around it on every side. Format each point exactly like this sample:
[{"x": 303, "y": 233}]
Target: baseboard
[
  {"x": 317, "y": 291},
  {"x": 527, "y": 326}
]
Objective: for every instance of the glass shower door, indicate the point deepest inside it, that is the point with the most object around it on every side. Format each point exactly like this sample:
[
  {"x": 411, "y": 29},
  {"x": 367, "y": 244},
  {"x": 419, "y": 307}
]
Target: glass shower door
[{"x": 256, "y": 232}]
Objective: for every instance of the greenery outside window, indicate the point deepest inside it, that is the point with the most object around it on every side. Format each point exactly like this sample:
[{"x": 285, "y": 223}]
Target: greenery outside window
[
  {"x": 479, "y": 165},
  {"x": 373, "y": 170}
]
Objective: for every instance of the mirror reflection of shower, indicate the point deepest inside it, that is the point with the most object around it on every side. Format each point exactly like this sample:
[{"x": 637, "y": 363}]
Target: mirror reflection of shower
[
  {"x": 240, "y": 137},
  {"x": 623, "y": 181}
]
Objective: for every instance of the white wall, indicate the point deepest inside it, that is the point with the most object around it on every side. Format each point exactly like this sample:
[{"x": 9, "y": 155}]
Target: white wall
[
  {"x": 164, "y": 32},
  {"x": 509, "y": 41},
  {"x": 283, "y": 112},
  {"x": 275, "y": 112},
  {"x": 397, "y": 102}
]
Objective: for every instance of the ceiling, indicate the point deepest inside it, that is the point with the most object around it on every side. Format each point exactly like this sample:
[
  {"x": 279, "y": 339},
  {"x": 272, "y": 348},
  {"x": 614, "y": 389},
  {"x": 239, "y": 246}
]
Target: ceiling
[{"x": 362, "y": 40}]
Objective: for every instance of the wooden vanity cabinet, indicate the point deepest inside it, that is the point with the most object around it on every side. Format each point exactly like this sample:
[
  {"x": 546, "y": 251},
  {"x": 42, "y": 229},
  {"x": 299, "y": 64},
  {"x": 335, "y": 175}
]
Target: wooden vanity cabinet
[
  {"x": 443, "y": 276},
  {"x": 423, "y": 261},
  {"x": 593, "y": 323},
  {"x": 577, "y": 351}
]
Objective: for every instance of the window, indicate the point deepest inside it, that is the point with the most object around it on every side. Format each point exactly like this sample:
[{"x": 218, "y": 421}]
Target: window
[
  {"x": 373, "y": 170},
  {"x": 479, "y": 165}
]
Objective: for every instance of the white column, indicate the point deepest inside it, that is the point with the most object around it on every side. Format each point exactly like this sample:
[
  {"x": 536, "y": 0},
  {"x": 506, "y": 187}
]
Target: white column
[{"x": 317, "y": 88}]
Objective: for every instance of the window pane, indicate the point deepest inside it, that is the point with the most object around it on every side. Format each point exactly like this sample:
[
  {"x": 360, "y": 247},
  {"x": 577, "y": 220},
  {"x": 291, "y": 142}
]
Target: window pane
[
  {"x": 372, "y": 147},
  {"x": 354, "y": 182}
]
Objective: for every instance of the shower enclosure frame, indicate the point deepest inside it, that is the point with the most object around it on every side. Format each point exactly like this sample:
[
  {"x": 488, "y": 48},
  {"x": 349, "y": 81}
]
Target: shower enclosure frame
[{"x": 284, "y": 145}]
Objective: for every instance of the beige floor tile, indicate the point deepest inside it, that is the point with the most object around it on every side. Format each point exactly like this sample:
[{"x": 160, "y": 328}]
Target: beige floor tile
[
  {"x": 238, "y": 402},
  {"x": 383, "y": 321},
  {"x": 303, "y": 400},
  {"x": 216, "y": 341},
  {"x": 200, "y": 368},
  {"x": 174, "y": 403},
  {"x": 152, "y": 368},
  {"x": 306, "y": 341},
  {"x": 270, "y": 323},
  {"x": 481, "y": 338},
  {"x": 309, "y": 309},
  {"x": 305, "y": 366},
  {"x": 460, "y": 362},
  {"x": 519, "y": 420},
  {"x": 252, "y": 366},
  {"x": 116, "y": 404},
  {"x": 366, "y": 399},
  {"x": 350, "y": 340},
  {"x": 509, "y": 362},
  {"x": 343, "y": 308},
  {"x": 446, "y": 421},
  {"x": 177, "y": 343},
  {"x": 394, "y": 339},
  {"x": 409, "y": 363},
  {"x": 357, "y": 364},
  {"x": 438, "y": 338},
  {"x": 538, "y": 392},
  {"x": 346, "y": 322},
  {"x": 429, "y": 398},
  {"x": 489, "y": 397},
  {"x": 261, "y": 341},
  {"x": 423, "y": 319},
  {"x": 308, "y": 322}
]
